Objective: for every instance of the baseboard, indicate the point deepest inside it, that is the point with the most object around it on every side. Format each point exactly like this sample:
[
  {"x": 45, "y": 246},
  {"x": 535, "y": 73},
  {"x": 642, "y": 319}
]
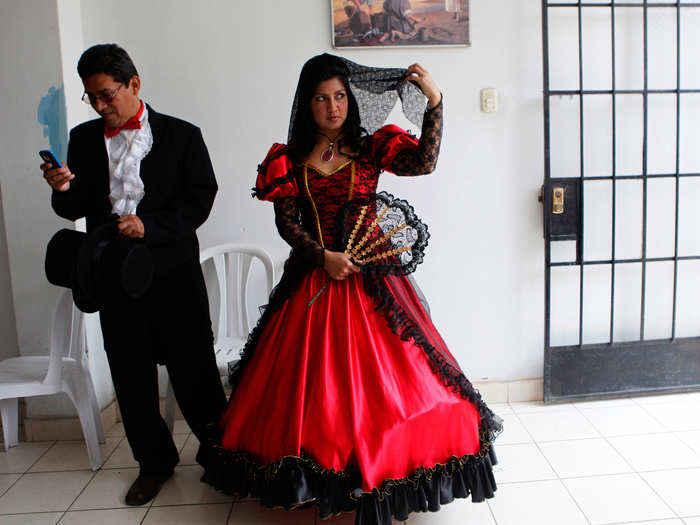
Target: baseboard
[
  {"x": 64, "y": 428},
  {"x": 511, "y": 391}
]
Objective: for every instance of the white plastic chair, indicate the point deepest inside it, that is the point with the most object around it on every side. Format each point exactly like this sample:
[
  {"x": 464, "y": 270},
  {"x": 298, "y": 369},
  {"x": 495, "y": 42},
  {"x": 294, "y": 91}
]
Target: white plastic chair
[
  {"x": 65, "y": 369},
  {"x": 232, "y": 263}
]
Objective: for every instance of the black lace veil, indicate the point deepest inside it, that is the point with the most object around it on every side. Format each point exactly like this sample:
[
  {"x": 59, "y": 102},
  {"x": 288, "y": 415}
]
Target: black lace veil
[{"x": 376, "y": 90}]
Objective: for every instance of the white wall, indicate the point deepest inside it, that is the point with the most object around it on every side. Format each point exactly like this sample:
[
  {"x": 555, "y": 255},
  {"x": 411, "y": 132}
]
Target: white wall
[
  {"x": 8, "y": 328},
  {"x": 232, "y": 67},
  {"x": 34, "y": 91}
]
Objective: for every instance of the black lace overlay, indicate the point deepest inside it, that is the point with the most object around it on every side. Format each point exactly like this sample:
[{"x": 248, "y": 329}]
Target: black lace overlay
[
  {"x": 406, "y": 326},
  {"x": 289, "y": 226},
  {"x": 423, "y": 159},
  {"x": 377, "y": 90}
]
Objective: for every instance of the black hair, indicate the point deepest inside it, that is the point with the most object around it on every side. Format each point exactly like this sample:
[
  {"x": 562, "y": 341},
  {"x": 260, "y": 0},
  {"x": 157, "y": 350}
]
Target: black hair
[
  {"x": 303, "y": 131},
  {"x": 109, "y": 59}
]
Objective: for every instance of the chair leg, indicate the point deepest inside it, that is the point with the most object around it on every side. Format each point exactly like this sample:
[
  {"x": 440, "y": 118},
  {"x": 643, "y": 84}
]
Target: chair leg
[
  {"x": 92, "y": 396},
  {"x": 169, "y": 410},
  {"x": 77, "y": 390},
  {"x": 9, "y": 414}
]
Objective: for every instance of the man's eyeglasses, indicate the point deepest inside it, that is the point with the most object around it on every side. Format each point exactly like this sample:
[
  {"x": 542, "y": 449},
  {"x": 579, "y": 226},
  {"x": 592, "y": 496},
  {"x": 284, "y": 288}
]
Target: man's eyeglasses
[{"x": 103, "y": 96}]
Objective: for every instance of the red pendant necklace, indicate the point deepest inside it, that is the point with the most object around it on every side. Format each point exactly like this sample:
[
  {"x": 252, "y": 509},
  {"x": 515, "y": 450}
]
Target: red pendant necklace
[{"x": 327, "y": 155}]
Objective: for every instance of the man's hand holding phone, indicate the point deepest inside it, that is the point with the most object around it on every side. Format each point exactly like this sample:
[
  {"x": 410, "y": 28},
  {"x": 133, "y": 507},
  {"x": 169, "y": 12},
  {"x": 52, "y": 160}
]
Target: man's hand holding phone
[{"x": 57, "y": 176}]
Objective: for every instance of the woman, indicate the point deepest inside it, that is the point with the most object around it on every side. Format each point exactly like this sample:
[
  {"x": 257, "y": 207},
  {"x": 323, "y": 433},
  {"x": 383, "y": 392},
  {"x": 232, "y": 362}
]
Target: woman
[{"x": 348, "y": 399}]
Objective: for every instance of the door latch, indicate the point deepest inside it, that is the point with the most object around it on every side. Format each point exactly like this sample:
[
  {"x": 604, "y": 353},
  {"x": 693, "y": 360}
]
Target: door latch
[{"x": 558, "y": 200}]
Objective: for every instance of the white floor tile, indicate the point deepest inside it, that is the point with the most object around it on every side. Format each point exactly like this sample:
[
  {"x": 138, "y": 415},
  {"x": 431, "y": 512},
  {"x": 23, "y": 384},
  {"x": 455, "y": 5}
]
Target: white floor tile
[
  {"x": 106, "y": 490},
  {"x": 459, "y": 512},
  {"x": 555, "y": 426},
  {"x": 189, "y": 451},
  {"x": 185, "y": 488},
  {"x": 117, "y": 430},
  {"x": 527, "y": 407},
  {"x": 655, "y": 452},
  {"x": 188, "y": 515},
  {"x": 105, "y": 517},
  {"x": 6, "y": 481},
  {"x": 692, "y": 439},
  {"x": 247, "y": 512},
  {"x": 692, "y": 521},
  {"x": 678, "y": 488},
  {"x": 538, "y": 503},
  {"x": 604, "y": 403},
  {"x": 678, "y": 416},
  {"x": 660, "y": 398},
  {"x": 513, "y": 431},
  {"x": 122, "y": 456},
  {"x": 71, "y": 455},
  {"x": 44, "y": 492},
  {"x": 620, "y": 498},
  {"x": 45, "y": 518},
  {"x": 501, "y": 409},
  {"x": 586, "y": 457},
  {"x": 521, "y": 463},
  {"x": 18, "y": 459},
  {"x": 656, "y": 522},
  {"x": 622, "y": 420},
  {"x": 181, "y": 427}
]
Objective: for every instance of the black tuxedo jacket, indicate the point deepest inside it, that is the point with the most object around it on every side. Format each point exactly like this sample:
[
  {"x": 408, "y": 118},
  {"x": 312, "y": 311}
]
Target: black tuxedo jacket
[{"x": 178, "y": 179}]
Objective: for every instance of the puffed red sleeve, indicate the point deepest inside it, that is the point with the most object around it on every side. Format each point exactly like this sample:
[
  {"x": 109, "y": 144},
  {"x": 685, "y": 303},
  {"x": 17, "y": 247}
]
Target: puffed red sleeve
[
  {"x": 387, "y": 142},
  {"x": 276, "y": 175},
  {"x": 397, "y": 151}
]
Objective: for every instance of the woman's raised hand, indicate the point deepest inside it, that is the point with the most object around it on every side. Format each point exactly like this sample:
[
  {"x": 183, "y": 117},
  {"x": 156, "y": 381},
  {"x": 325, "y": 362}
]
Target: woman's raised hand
[
  {"x": 421, "y": 77},
  {"x": 338, "y": 265}
]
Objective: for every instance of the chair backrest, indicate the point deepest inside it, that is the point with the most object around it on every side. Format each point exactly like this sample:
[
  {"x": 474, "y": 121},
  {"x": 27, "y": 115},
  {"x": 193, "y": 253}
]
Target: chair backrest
[
  {"x": 232, "y": 263},
  {"x": 67, "y": 336}
]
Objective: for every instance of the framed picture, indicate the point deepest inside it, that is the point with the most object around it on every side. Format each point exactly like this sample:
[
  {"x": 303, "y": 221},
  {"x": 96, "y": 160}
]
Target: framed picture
[{"x": 387, "y": 23}]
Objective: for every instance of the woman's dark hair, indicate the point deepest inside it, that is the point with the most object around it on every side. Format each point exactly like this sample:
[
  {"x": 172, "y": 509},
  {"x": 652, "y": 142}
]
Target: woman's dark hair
[
  {"x": 303, "y": 135},
  {"x": 109, "y": 59}
]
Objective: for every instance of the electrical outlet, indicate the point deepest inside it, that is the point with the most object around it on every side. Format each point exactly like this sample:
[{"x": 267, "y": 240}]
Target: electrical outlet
[{"x": 489, "y": 100}]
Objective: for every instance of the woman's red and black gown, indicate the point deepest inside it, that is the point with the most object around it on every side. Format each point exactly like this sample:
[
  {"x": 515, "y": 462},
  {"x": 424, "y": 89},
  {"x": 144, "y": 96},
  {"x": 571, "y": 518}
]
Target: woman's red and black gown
[{"x": 352, "y": 402}]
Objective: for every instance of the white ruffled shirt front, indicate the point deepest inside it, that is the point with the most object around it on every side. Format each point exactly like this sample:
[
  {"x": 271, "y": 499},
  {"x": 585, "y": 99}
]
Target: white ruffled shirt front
[{"x": 125, "y": 151}]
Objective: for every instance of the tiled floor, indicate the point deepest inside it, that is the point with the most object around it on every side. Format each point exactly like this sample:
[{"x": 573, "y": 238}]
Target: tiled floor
[{"x": 626, "y": 461}]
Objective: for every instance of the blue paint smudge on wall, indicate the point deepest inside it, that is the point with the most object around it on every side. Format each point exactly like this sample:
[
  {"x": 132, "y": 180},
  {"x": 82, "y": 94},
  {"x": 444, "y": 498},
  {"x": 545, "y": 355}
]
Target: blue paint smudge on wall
[{"x": 51, "y": 113}]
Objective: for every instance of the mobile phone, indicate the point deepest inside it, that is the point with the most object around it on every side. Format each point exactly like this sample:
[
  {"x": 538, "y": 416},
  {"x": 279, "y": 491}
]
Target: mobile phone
[{"x": 50, "y": 156}]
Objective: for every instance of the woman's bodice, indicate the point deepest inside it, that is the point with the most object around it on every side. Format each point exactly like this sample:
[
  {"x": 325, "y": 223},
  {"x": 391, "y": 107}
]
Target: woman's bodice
[{"x": 325, "y": 193}]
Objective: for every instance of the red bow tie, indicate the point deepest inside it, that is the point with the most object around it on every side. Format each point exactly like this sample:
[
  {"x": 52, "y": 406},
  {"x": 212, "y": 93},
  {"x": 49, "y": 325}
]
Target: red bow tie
[{"x": 133, "y": 123}]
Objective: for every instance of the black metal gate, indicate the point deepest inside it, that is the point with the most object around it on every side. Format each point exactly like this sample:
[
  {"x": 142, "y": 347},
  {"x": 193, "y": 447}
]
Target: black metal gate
[{"x": 621, "y": 197}]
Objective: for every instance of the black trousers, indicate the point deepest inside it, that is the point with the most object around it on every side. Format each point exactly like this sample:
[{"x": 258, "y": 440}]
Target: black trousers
[{"x": 170, "y": 325}]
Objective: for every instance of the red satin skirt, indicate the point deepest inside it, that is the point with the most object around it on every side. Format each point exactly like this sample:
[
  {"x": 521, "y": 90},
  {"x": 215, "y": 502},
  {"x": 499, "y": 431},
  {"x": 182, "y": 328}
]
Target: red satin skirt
[{"x": 332, "y": 380}]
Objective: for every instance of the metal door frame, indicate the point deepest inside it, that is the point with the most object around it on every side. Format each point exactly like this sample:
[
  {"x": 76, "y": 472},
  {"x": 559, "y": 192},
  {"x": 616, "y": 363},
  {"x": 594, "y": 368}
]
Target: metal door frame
[{"x": 612, "y": 369}]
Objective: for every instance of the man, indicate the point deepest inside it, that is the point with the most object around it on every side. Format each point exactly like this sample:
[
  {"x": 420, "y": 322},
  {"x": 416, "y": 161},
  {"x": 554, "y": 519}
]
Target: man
[{"x": 154, "y": 172}]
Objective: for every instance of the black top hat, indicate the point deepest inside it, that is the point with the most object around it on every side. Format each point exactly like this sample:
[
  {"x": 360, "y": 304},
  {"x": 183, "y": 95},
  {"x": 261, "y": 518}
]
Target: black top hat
[{"x": 99, "y": 267}]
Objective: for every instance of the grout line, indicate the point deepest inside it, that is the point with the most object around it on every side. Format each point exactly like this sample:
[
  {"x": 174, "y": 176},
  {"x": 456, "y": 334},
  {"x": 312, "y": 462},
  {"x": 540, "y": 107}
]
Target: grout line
[
  {"x": 79, "y": 494},
  {"x": 637, "y": 473},
  {"x": 561, "y": 482},
  {"x": 21, "y": 474}
]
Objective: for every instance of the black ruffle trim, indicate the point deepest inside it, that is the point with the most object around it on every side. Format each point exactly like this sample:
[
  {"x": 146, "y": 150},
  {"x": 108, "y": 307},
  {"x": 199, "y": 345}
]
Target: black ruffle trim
[
  {"x": 261, "y": 193},
  {"x": 450, "y": 374},
  {"x": 295, "y": 482}
]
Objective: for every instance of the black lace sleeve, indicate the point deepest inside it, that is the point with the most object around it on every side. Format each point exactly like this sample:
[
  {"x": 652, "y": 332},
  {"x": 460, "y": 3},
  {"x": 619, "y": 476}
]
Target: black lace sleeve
[
  {"x": 422, "y": 159},
  {"x": 291, "y": 230}
]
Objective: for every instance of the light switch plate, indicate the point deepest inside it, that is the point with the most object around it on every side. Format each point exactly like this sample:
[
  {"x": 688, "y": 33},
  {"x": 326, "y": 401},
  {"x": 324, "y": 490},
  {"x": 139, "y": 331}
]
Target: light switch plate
[{"x": 489, "y": 100}]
